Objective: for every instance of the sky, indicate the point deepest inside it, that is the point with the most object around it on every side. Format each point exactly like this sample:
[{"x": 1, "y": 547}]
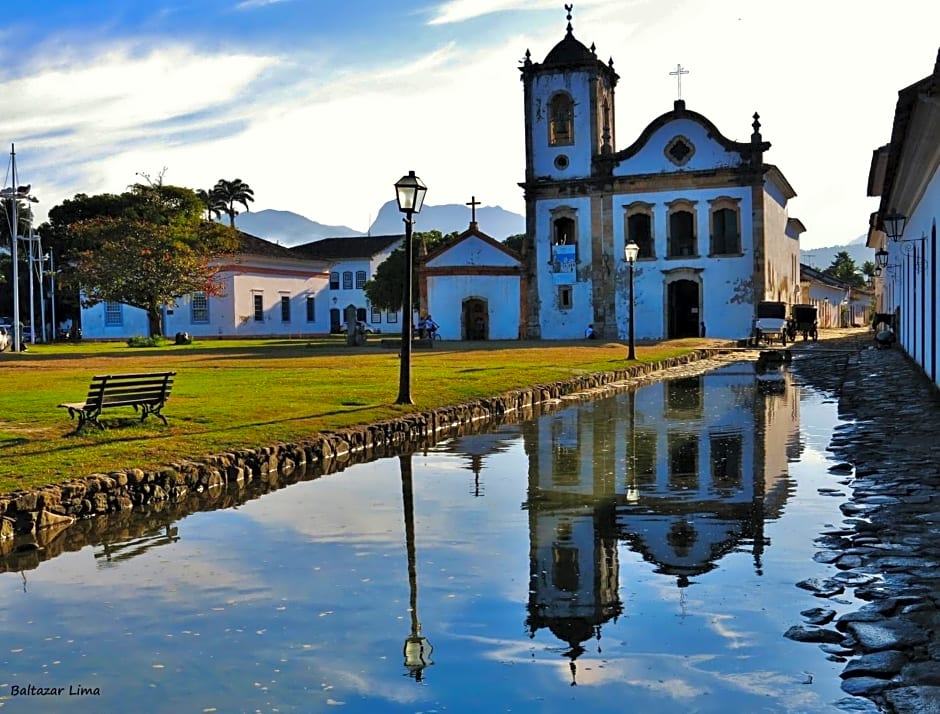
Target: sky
[{"x": 322, "y": 105}]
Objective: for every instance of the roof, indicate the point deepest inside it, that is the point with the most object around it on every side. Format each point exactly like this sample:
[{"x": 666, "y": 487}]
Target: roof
[
  {"x": 349, "y": 248},
  {"x": 570, "y": 53},
  {"x": 253, "y": 245},
  {"x": 808, "y": 273},
  {"x": 473, "y": 231}
]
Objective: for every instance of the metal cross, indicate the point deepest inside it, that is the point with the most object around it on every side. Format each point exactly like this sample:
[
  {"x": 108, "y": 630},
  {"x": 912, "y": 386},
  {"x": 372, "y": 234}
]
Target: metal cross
[
  {"x": 473, "y": 208},
  {"x": 678, "y": 75}
]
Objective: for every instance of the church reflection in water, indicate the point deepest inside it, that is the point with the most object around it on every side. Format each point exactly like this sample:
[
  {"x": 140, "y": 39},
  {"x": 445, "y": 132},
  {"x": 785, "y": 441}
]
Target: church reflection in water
[{"x": 682, "y": 472}]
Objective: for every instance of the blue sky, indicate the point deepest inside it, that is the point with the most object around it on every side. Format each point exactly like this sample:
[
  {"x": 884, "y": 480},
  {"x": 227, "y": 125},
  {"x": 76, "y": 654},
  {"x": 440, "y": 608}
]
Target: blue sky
[{"x": 321, "y": 105}]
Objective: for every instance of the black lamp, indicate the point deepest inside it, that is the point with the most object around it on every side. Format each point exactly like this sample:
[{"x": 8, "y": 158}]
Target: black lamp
[
  {"x": 894, "y": 224},
  {"x": 410, "y": 192}
]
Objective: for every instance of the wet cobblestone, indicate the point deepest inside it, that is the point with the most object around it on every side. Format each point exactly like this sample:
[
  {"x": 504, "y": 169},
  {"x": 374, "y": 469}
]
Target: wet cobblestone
[{"x": 888, "y": 550}]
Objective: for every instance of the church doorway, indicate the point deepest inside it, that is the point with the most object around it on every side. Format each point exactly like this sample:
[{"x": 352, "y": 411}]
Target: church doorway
[
  {"x": 475, "y": 319},
  {"x": 683, "y": 310},
  {"x": 334, "y": 320}
]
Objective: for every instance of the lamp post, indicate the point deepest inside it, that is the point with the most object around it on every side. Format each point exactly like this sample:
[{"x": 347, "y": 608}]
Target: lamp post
[
  {"x": 630, "y": 251},
  {"x": 417, "y": 650},
  {"x": 410, "y": 192}
]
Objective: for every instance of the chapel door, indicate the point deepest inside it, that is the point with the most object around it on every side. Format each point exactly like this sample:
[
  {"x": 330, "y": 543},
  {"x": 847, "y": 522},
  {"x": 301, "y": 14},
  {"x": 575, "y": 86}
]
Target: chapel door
[
  {"x": 475, "y": 319},
  {"x": 684, "y": 312},
  {"x": 334, "y": 320}
]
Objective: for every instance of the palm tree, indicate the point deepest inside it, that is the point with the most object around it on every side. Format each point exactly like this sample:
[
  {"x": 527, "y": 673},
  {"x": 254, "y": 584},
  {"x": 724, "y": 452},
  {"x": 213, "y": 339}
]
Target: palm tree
[
  {"x": 213, "y": 203},
  {"x": 228, "y": 193}
]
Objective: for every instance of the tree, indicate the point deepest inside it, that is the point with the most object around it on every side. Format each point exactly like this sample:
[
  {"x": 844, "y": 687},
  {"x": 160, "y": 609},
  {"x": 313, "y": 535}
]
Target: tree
[
  {"x": 212, "y": 203},
  {"x": 514, "y": 242},
  {"x": 146, "y": 247},
  {"x": 386, "y": 289},
  {"x": 843, "y": 268},
  {"x": 228, "y": 193}
]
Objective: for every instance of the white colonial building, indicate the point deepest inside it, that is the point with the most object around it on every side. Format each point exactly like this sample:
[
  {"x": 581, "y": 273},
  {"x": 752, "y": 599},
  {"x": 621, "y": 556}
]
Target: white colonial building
[
  {"x": 473, "y": 287},
  {"x": 708, "y": 214},
  {"x": 267, "y": 290}
]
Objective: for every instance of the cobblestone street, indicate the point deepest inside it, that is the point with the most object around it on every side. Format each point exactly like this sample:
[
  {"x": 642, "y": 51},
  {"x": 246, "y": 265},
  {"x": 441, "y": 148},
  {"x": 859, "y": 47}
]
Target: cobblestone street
[{"x": 888, "y": 546}]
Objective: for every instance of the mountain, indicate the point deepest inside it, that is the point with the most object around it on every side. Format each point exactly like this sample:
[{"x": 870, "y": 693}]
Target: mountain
[
  {"x": 287, "y": 228},
  {"x": 496, "y": 222},
  {"x": 821, "y": 258}
]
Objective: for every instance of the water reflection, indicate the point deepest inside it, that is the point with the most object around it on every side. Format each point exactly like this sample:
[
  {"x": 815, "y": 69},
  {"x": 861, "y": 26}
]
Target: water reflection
[
  {"x": 683, "y": 472},
  {"x": 550, "y": 552}
]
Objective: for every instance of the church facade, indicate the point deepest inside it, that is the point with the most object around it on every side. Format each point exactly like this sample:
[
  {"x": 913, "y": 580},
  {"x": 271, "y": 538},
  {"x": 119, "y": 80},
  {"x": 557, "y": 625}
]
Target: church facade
[{"x": 708, "y": 214}]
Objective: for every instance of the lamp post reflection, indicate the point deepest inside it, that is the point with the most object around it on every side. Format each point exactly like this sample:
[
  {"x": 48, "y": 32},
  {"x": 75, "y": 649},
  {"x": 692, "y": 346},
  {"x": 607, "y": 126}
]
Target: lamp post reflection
[{"x": 417, "y": 650}]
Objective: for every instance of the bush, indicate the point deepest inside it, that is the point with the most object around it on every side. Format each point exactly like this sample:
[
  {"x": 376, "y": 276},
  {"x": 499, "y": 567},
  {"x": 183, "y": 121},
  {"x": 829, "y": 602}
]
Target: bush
[{"x": 141, "y": 341}]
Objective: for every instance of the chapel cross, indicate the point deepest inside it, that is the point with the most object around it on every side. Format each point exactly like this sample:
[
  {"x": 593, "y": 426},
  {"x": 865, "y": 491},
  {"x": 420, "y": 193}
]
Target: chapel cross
[
  {"x": 473, "y": 208},
  {"x": 678, "y": 75}
]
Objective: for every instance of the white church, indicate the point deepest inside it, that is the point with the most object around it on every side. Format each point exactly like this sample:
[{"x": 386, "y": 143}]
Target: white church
[{"x": 708, "y": 214}]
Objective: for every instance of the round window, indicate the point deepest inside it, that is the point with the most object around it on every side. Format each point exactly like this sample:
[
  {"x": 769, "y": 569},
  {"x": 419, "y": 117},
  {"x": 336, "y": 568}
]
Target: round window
[{"x": 561, "y": 162}]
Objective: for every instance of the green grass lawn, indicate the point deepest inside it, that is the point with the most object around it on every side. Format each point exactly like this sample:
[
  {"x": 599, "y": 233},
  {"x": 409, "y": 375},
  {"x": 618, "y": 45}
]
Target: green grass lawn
[{"x": 251, "y": 393}]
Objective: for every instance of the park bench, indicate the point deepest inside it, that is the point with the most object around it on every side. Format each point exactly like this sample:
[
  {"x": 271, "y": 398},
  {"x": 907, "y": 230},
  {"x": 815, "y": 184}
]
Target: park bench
[{"x": 145, "y": 392}]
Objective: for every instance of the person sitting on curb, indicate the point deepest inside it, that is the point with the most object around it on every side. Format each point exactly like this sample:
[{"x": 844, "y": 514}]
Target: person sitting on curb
[{"x": 589, "y": 333}]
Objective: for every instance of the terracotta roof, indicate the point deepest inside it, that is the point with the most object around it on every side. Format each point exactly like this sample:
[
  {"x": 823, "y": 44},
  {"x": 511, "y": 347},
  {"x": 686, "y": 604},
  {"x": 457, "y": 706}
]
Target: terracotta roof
[
  {"x": 253, "y": 245},
  {"x": 351, "y": 248}
]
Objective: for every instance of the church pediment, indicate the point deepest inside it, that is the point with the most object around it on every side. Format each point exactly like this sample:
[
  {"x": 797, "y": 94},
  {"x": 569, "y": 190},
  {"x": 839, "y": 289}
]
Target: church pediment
[
  {"x": 473, "y": 249},
  {"x": 683, "y": 140}
]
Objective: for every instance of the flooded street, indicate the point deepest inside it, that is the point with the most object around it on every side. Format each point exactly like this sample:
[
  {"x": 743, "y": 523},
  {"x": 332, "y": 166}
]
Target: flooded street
[{"x": 635, "y": 553}]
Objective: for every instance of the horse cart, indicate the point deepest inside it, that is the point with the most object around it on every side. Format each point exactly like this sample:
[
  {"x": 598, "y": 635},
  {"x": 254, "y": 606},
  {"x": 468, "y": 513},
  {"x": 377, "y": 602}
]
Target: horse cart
[
  {"x": 803, "y": 321},
  {"x": 770, "y": 323}
]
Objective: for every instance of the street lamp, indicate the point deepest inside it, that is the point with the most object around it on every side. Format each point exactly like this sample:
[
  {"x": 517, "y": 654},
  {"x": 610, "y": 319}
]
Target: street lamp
[
  {"x": 410, "y": 192},
  {"x": 417, "y": 650},
  {"x": 881, "y": 258},
  {"x": 894, "y": 225},
  {"x": 630, "y": 251}
]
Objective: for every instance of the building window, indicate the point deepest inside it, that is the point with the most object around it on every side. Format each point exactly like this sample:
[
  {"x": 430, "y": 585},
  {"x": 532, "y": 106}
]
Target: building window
[
  {"x": 112, "y": 313},
  {"x": 391, "y": 317},
  {"x": 561, "y": 120},
  {"x": 565, "y": 301},
  {"x": 727, "y": 463},
  {"x": 679, "y": 150},
  {"x": 726, "y": 230},
  {"x": 347, "y": 280},
  {"x": 360, "y": 279},
  {"x": 564, "y": 245},
  {"x": 334, "y": 281},
  {"x": 683, "y": 461},
  {"x": 681, "y": 239},
  {"x": 199, "y": 308},
  {"x": 376, "y": 316},
  {"x": 259, "y": 307},
  {"x": 311, "y": 309},
  {"x": 285, "y": 308},
  {"x": 640, "y": 228}
]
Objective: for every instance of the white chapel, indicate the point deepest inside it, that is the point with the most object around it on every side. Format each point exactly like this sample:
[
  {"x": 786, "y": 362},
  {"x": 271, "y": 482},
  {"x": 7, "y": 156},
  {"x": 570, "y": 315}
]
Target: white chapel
[{"x": 708, "y": 213}]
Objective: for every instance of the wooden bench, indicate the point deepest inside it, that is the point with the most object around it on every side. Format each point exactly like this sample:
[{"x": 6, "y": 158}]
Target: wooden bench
[{"x": 145, "y": 392}]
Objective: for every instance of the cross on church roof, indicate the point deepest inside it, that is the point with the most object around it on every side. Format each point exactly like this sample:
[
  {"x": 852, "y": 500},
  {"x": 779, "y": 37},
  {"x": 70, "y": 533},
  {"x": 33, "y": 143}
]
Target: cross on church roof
[
  {"x": 473, "y": 203},
  {"x": 679, "y": 71}
]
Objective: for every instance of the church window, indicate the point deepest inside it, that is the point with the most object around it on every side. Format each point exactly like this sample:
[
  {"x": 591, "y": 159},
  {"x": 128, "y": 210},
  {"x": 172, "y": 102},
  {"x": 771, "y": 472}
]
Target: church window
[
  {"x": 376, "y": 316},
  {"x": 199, "y": 308},
  {"x": 334, "y": 281},
  {"x": 564, "y": 245},
  {"x": 311, "y": 309},
  {"x": 726, "y": 231},
  {"x": 561, "y": 120},
  {"x": 285, "y": 308},
  {"x": 681, "y": 239},
  {"x": 561, "y": 162},
  {"x": 565, "y": 301},
  {"x": 347, "y": 280},
  {"x": 360, "y": 279},
  {"x": 258, "y": 300},
  {"x": 679, "y": 150},
  {"x": 640, "y": 228}
]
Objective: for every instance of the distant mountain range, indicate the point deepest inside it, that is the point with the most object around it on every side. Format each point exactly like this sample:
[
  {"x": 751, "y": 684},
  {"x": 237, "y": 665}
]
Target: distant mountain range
[
  {"x": 289, "y": 229},
  {"x": 821, "y": 258}
]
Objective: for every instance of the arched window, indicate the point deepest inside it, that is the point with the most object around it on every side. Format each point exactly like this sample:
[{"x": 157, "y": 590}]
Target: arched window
[
  {"x": 726, "y": 228},
  {"x": 561, "y": 120},
  {"x": 681, "y": 239},
  {"x": 640, "y": 228},
  {"x": 564, "y": 245}
]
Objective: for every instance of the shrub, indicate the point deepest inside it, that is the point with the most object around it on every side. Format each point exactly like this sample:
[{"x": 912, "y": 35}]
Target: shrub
[{"x": 141, "y": 341}]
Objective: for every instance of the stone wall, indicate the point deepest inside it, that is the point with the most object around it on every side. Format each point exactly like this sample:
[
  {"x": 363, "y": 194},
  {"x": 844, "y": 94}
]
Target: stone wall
[{"x": 31, "y": 520}]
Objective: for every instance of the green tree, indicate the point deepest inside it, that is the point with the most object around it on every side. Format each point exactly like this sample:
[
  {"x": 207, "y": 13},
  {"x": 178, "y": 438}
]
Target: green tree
[
  {"x": 146, "y": 247},
  {"x": 212, "y": 204},
  {"x": 514, "y": 242},
  {"x": 843, "y": 268},
  {"x": 386, "y": 289},
  {"x": 228, "y": 193}
]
